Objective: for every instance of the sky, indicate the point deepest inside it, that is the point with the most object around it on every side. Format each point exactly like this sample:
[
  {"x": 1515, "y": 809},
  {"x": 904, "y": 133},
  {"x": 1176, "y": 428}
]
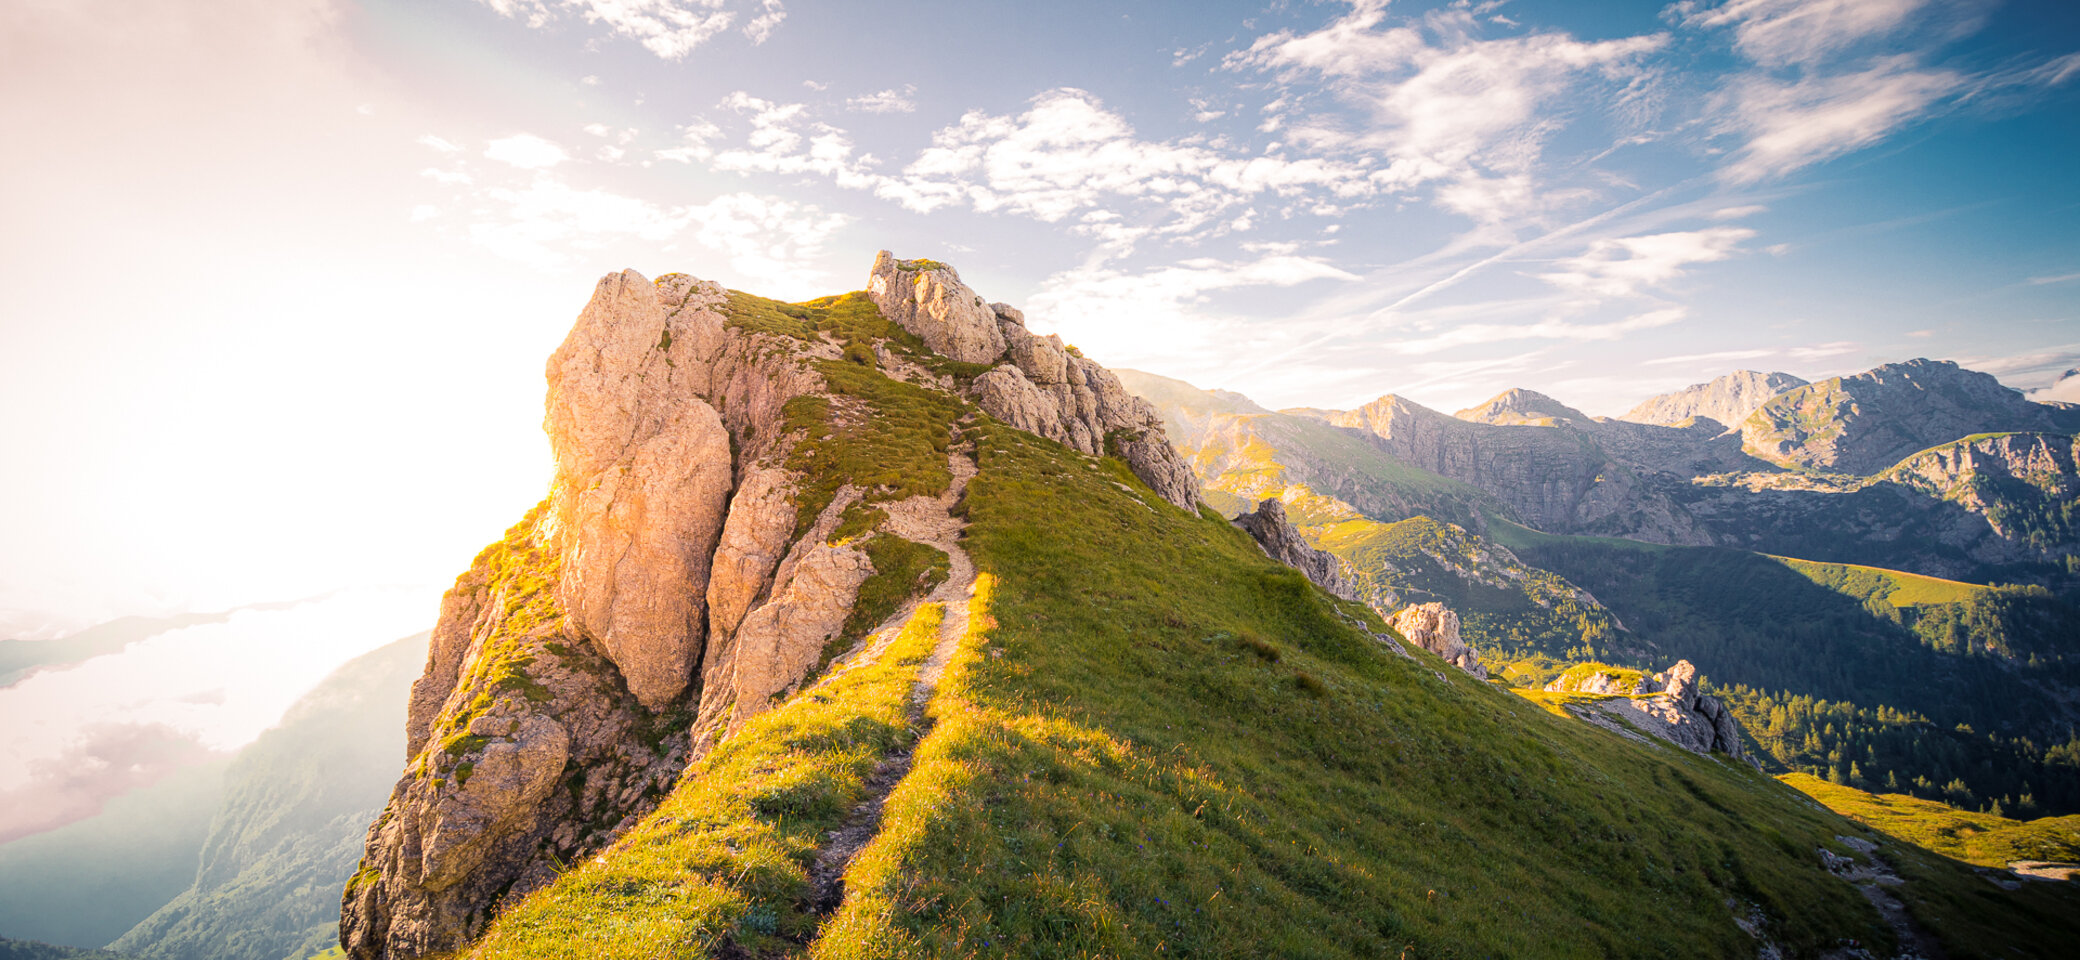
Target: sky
[{"x": 281, "y": 275}]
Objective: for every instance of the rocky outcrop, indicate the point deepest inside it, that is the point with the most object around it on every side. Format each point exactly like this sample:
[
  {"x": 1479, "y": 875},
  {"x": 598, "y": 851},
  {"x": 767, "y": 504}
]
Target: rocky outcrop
[
  {"x": 779, "y": 642},
  {"x": 1435, "y": 627},
  {"x": 1866, "y": 423},
  {"x": 927, "y": 298},
  {"x": 1041, "y": 385},
  {"x": 643, "y": 476},
  {"x": 1726, "y": 400},
  {"x": 1277, "y": 535},
  {"x": 534, "y": 757},
  {"x": 1679, "y": 714}
]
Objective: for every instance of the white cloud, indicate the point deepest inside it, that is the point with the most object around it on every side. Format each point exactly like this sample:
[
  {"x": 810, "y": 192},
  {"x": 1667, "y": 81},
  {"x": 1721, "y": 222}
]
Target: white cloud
[
  {"x": 671, "y": 29},
  {"x": 439, "y": 144},
  {"x": 1792, "y": 124},
  {"x": 761, "y": 27},
  {"x": 1777, "y": 33},
  {"x": 1446, "y": 105},
  {"x": 1159, "y": 316},
  {"x": 1738, "y": 213},
  {"x": 886, "y": 101},
  {"x": 2054, "y": 278},
  {"x": 1068, "y": 154},
  {"x": 526, "y": 151},
  {"x": 1626, "y": 266},
  {"x": 424, "y": 212}
]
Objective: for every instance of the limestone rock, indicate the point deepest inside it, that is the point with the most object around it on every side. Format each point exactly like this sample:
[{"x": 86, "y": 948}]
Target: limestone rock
[
  {"x": 1435, "y": 628},
  {"x": 1682, "y": 716},
  {"x": 1727, "y": 400},
  {"x": 643, "y": 474},
  {"x": 531, "y": 756},
  {"x": 1868, "y": 422},
  {"x": 1041, "y": 386},
  {"x": 928, "y": 298},
  {"x": 783, "y": 638},
  {"x": 754, "y": 540},
  {"x": 1277, "y": 535}
]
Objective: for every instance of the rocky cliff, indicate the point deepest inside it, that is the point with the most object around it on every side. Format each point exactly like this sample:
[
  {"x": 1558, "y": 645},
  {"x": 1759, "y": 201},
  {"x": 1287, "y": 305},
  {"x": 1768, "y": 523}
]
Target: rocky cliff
[
  {"x": 1272, "y": 531},
  {"x": 1675, "y": 711},
  {"x": 1726, "y": 400},
  {"x": 1866, "y": 423},
  {"x": 1548, "y": 462},
  {"x": 1435, "y": 628},
  {"x": 725, "y": 516}
]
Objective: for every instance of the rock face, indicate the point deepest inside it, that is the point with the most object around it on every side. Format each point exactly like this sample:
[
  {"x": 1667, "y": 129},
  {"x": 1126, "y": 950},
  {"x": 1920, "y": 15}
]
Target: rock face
[
  {"x": 1435, "y": 628},
  {"x": 1278, "y": 537},
  {"x": 1727, "y": 400},
  {"x": 1039, "y": 384},
  {"x": 663, "y": 593},
  {"x": 1557, "y": 470},
  {"x": 1680, "y": 715},
  {"x": 928, "y": 298},
  {"x": 643, "y": 476},
  {"x": 1866, "y": 423}
]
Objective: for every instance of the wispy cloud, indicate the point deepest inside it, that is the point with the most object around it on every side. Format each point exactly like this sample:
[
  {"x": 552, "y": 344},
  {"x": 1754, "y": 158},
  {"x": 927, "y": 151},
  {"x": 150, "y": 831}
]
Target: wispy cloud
[
  {"x": 1778, "y": 33},
  {"x": 2055, "y": 278},
  {"x": 886, "y": 101},
  {"x": 1445, "y": 104},
  {"x": 671, "y": 29},
  {"x": 1626, "y": 266},
  {"x": 1788, "y": 125}
]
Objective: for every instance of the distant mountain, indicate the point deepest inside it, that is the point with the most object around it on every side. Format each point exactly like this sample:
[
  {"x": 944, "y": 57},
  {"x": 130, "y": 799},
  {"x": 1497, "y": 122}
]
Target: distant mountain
[
  {"x": 83, "y": 884},
  {"x": 19, "y": 658},
  {"x": 1557, "y": 468},
  {"x": 1727, "y": 400},
  {"x": 1522, "y": 408},
  {"x": 297, "y": 803},
  {"x": 1866, "y": 423},
  {"x": 1243, "y": 453}
]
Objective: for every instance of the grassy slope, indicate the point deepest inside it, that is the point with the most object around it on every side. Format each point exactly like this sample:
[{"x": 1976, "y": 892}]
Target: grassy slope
[
  {"x": 1985, "y": 839},
  {"x": 1896, "y": 587},
  {"x": 1115, "y": 772}
]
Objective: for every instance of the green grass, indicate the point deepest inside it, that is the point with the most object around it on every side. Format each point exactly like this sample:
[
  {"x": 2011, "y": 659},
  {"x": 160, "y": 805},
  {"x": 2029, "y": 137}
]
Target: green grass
[
  {"x": 1114, "y": 774},
  {"x": 1986, "y": 839},
  {"x": 1625, "y": 677},
  {"x": 1896, "y": 587},
  {"x": 724, "y": 859}
]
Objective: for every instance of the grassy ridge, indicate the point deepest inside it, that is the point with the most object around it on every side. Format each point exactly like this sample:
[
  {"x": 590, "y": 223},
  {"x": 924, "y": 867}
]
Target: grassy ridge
[
  {"x": 1117, "y": 772},
  {"x": 724, "y": 859}
]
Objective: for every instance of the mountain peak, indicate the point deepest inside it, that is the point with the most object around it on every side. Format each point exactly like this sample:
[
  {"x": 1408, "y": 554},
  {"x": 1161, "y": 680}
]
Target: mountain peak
[
  {"x": 1728, "y": 399},
  {"x": 1865, "y": 423},
  {"x": 1519, "y": 407}
]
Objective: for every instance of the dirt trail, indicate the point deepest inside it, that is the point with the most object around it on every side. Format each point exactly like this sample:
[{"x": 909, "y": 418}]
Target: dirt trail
[{"x": 930, "y": 521}]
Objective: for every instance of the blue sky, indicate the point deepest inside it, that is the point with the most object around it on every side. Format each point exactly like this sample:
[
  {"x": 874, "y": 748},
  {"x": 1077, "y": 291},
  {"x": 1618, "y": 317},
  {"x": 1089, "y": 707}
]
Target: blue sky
[{"x": 1318, "y": 203}]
